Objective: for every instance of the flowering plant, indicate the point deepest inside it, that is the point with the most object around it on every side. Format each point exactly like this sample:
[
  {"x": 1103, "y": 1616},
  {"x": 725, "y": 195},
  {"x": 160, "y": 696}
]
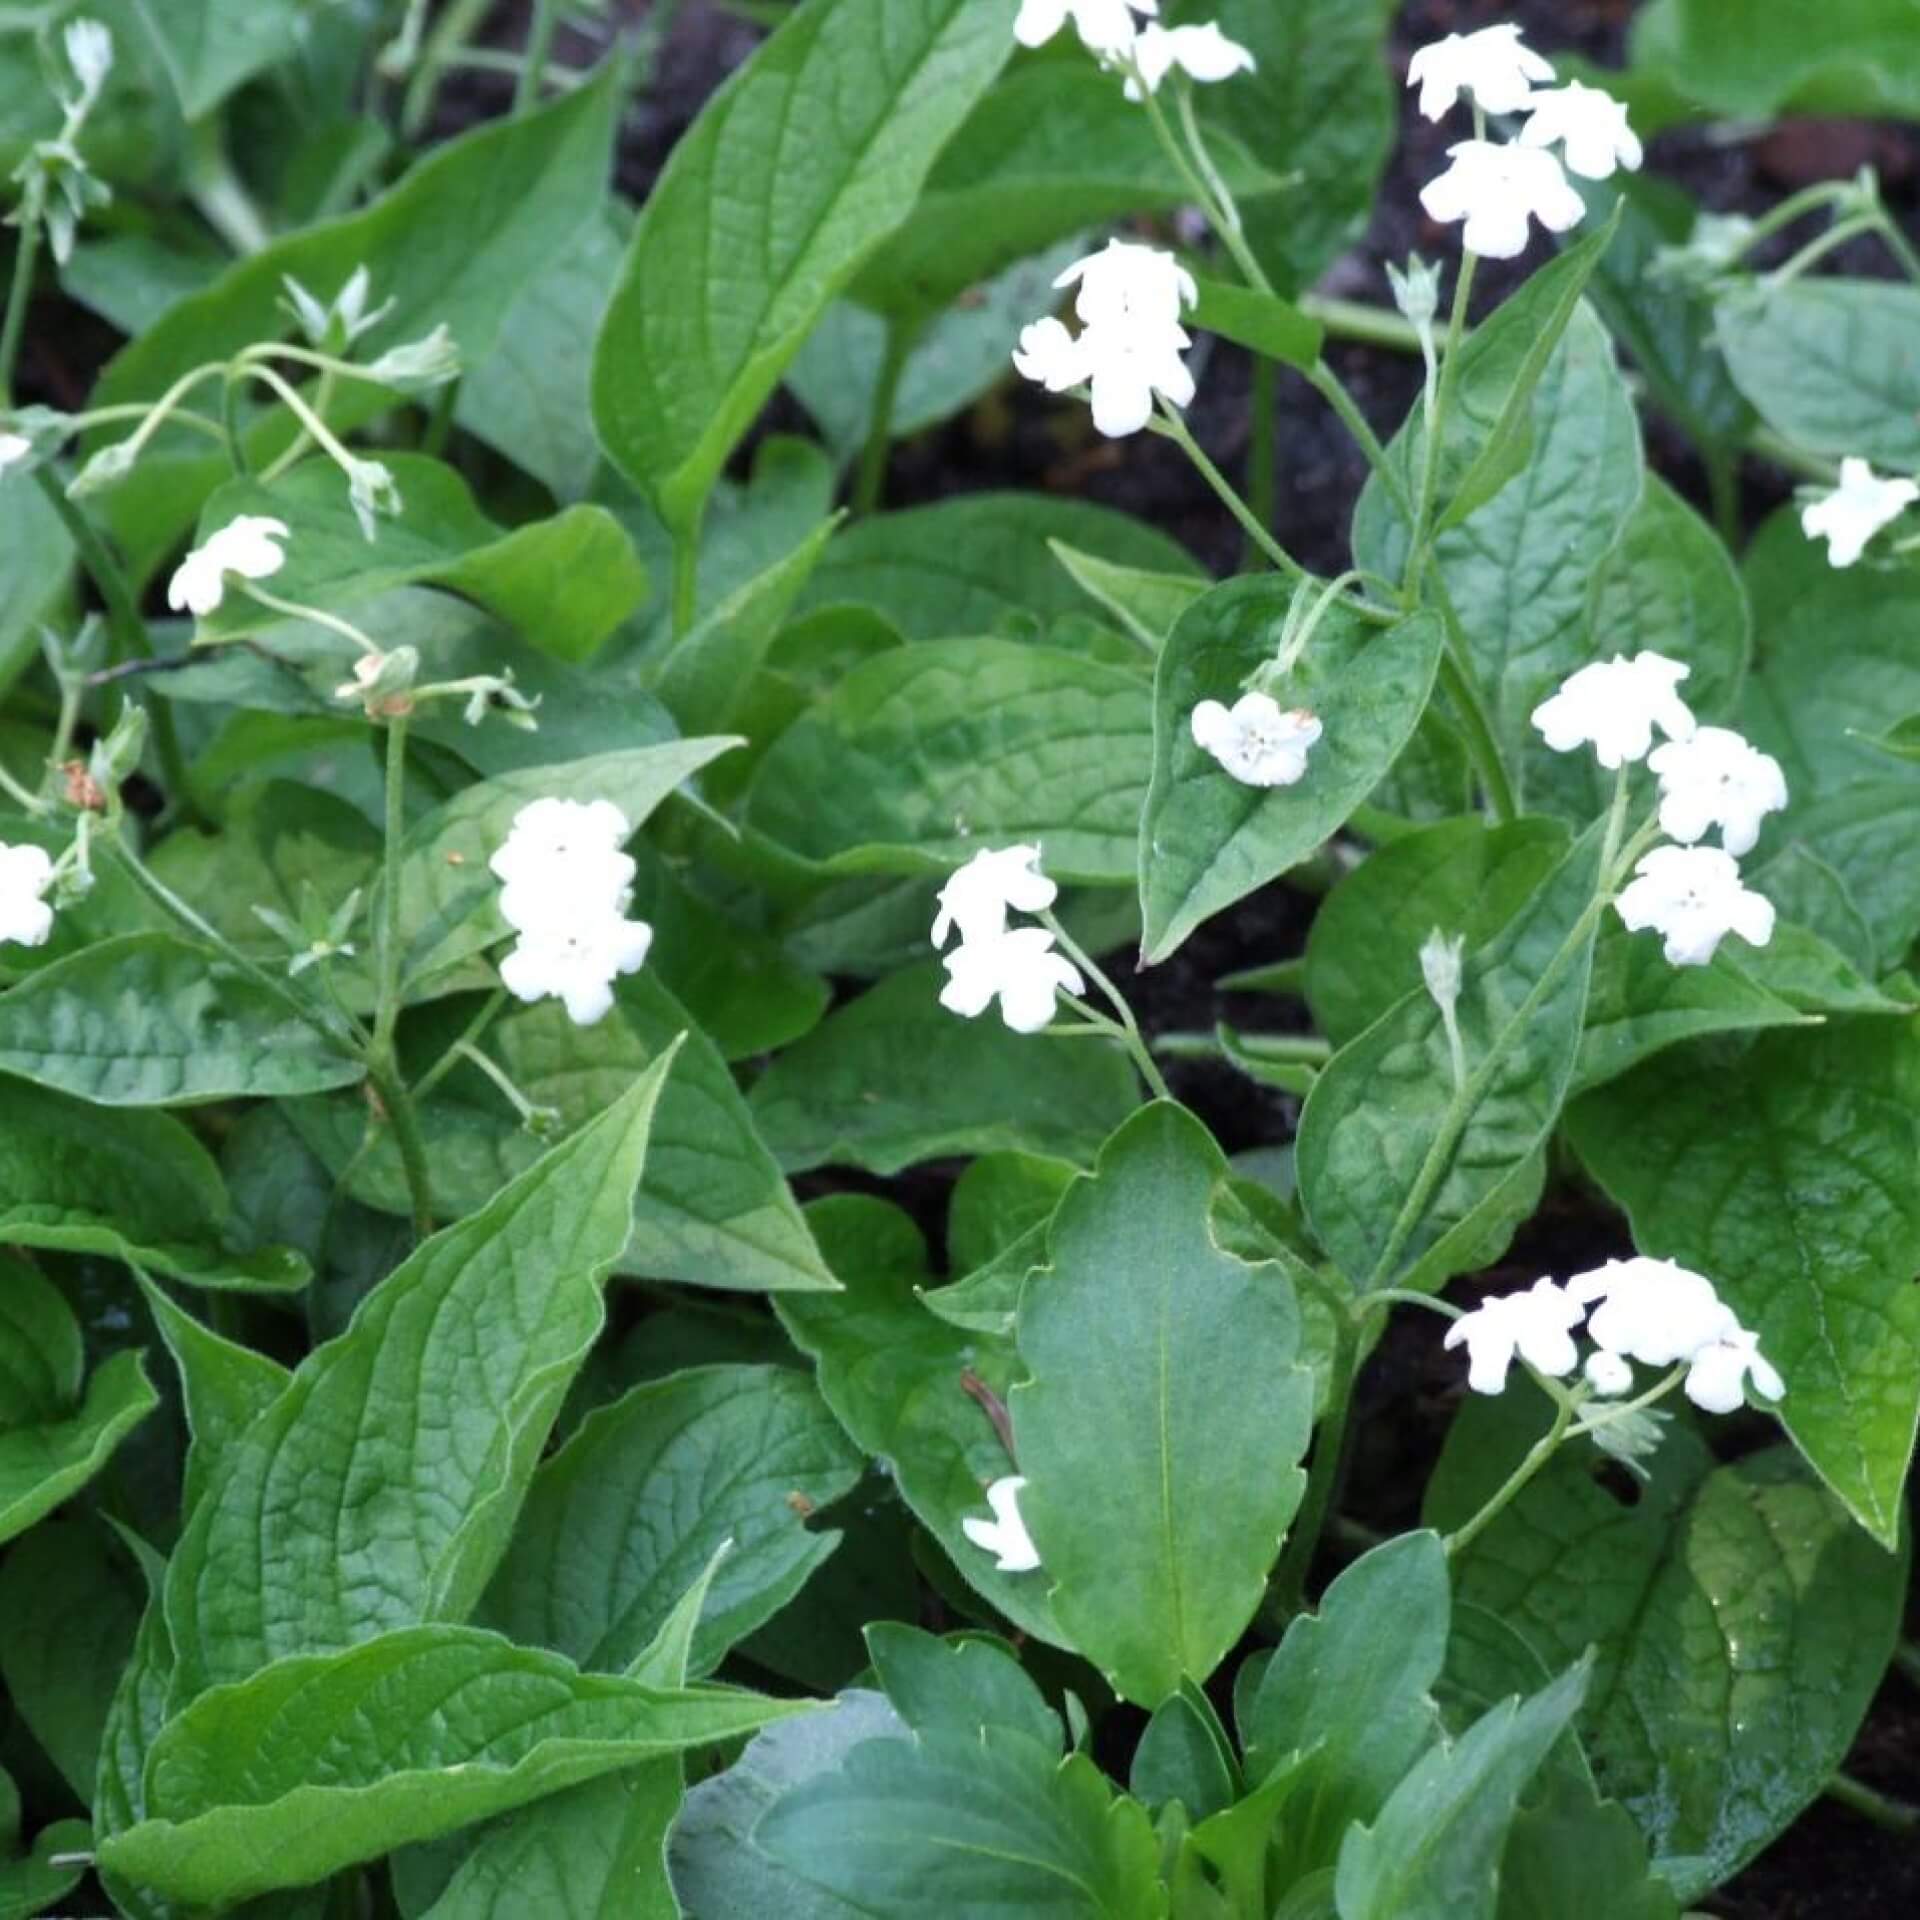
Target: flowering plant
[{"x": 717, "y": 1200}]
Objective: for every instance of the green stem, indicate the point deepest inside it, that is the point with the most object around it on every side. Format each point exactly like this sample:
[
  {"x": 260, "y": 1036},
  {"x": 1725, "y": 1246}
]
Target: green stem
[
  {"x": 1365, "y": 325},
  {"x": 1723, "y": 487},
  {"x": 528, "y": 1112},
  {"x": 1405, "y": 1297},
  {"x": 1537, "y": 1457},
  {"x": 1899, "y": 246},
  {"x": 1174, "y": 428},
  {"x": 1263, "y": 451},
  {"x": 219, "y": 192},
  {"x": 526, "y": 93},
  {"x": 870, "y": 485},
  {"x": 1329, "y": 386},
  {"x": 296, "y": 404},
  {"x": 1796, "y": 206},
  {"x": 470, "y": 1037},
  {"x": 28, "y": 803},
  {"x": 1815, "y": 251},
  {"x": 1896, "y": 1816},
  {"x": 26, "y": 261},
  {"x": 319, "y": 616},
  {"x": 1288, "y": 1586},
  {"x": 1419, "y": 546},
  {"x": 451, "y": 31},
  {"x": 1129, "y": 1027},
  {"x": 1483, "y": 744},
  {"x": 400, "y": 1115},
  {"x": 686, "y": 576}
]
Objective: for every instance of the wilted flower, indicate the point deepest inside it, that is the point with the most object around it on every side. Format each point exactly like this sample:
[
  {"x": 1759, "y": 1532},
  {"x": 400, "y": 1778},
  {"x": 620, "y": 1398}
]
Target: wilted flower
[
  {"x": 1105, "y": 27},
  {"x": 1492, "y": 66},
  {"x": 1537, "y": 1325},
  {"x": 1717, "y": 1378},
  {"x": 420, "y": 365},
  {"x": 336, "y": 327},
  {"x": 1849, "y": 516},
  {"x": 1693, "y": 897},
  {"x": 1020, "y": 969},
  {"x": 1590, "y": 127},
  {"x": 25, "y": 875},
  {"x": 245, "y": 546},
  {"x": 1202, "y": 53},
  {"x": 1614, "y": 705},
  {"x": 1653, "y": 1311},
  {"x": 976, "y": 900},
  {"x": 371, "y": 491},
  {"x": 383, "y": 682},
  {"x": 1496, "y": 189},
  {"x": 1005, "y": 1535},
  {"x": 1258, "y": 741},
  {"x": 1717, "y": 779}
]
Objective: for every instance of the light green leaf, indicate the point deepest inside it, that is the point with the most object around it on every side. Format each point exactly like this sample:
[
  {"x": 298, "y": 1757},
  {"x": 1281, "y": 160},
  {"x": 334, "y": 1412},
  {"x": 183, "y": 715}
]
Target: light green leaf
[
  {"x": 869, "y": 91},
  {"x": 566, "y": 583},
  {"x": 210, "y": 47},
  {"x": 922, "y": 754},
  {"x": 326, "y": 1759},
  {"x": 895, "y": 1375},
  {"x": 152, "y": 1020},
  {"x": 626, "y": 1513},
  {"x": 1401, "y": 1173},
  {"x": 134, "y": 1186},
  {"x": 893, "y": 1077},
  {"x": 1783, "y": 1173},
  {"x": 488, "y": 1320},
  {"x": 1163, "y": 1424},
  {"x": 1206, "y": 840},
  {"x": 1434, "y": 1853},
  {"x": 1741, "y": 1624},
  {"x": 1146, "y": 604},
  {"x": 50, "y": 1461},
  {"x": 42, "y": 1356}
]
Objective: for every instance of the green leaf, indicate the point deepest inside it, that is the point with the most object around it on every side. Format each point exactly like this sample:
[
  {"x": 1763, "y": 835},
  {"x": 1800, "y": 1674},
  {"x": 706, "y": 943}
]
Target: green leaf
[
  {"x": 152, "y": 1020},
  {"x": 566, "y": 583},
  {"x": 894, "y": 1376},
  {"x": 453, "y": 244},
  {"x": 1576, "y": 1857},
  {"x": 966, "y": 1684},
  {"x": 947, "y": 1823},
  {"x": 1741, "y": 1624},
  {"x": 31, "y": 1883},
  {"x": 49, "y": 1461},
  {"x": 1783, "y": 1173},
  {"x": 134, "y": 1186},
  {"x": 210, "y": 47},
  {"x": 1206, "y": 840},
  {"x": 1346, "y": 1704},
  {"x": 70, "y": 1626},
  {"x": 42, "y": 1357},
  {"x": 922, "y": 754},
  {"x": 893, "y": 1077},
  {"x": 871, "y": 90},
  {"x": 285, "y": 1553},
  {"x": 1401, "y": 1173},
  {"x": 34, "y": 569},
  {"x": 626, "y": 1513},
  {"x": 1146, "y": 604},
  {"x": 1162, "y": 1426},
  {"x": 1183, "y": 1755},
  {"x": 1434, "y": 1853},
  {"x": 326, "y": 1759},
  {"x": 983, "y": 563},
  {"x": 1263, "y": 323}
]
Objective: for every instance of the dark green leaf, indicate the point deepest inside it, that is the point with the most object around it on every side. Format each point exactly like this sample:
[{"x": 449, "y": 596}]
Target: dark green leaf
[
  {"x": 212, "y": 46},
  {"x": 1261, "y": 322},
  {"x": 963, "y": 1685},
  {"x": 1576, "y": 1857},
  {"x": 50, "y": 1461},
  {"x": 42, "y": 1357}
]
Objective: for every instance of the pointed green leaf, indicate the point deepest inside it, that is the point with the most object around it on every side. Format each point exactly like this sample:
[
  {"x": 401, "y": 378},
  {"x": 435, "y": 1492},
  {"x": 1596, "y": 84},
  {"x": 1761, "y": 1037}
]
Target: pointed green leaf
[
  {"x": 1162, "y": 1426},
  {"x": 967, "y": 1684},
  {"x": 42, "y": 1356},
  {"x": 1146, "y": 604},
  {"x": 31, "y": 1883},
  {"x": 211, "y": 46},
  {"x": 1577, "y": 1857},
  {"x": 50, "y": 1461}
]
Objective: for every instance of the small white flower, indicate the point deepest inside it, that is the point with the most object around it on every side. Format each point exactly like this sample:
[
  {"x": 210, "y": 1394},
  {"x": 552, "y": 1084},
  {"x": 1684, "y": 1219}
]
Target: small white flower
[
  {"x": 1716, "y": 1380},
  {"x": 1202, "y": 53},
  {"x": 1106, "y": 27},
  {"x": 1614, "y": 706},
  {"x": 1692, "y": 896},
  {"x": 977, "y": 899},
  {"x": 1590, "y": 127},
  {"x": 1608, "y": 1375},
  {"x": 1717, "y": 779},
  {"x": 1849, "y": 516},
  {"x": 90, "y": 54},
  {"x": 1537, "y": 1324},
  {"x": 25, "y": 875},
  {"x": 577, "y": 962},
  {"x": 559, "y": 852},
  {"x": 338, "y": 326},
  {"x": 1020, "y": 969},
  {"x": 1653, "y": 1311},
  {"x": 1493, "y": 66},
  {"x": 1128, "y": 284},
  {"x": 1005, "y": 1535},
  {"x": 1258, "y": 741},
  {"x": 1496, "y": 190},
  {"x": 245, "y": 546},
  {"x": 14, "y": 447}
]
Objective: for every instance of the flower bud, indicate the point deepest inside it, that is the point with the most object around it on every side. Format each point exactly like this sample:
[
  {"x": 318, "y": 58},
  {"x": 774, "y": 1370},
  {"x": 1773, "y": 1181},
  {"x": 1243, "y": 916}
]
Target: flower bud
[{"x": 420, "y": 365}]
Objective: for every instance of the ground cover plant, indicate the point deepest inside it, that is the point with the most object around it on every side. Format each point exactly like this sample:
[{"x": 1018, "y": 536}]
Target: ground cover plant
[{"x": 742, "y": 1174}]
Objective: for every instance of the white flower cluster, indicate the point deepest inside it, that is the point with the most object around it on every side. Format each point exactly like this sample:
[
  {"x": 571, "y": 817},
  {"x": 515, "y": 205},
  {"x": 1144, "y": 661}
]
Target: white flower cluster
[
  {"x": 246, "y": 546},
  {"x": 25, "y": 875},
  {"x": 1109, "y": 31},
  {"x": 1259, "y": 742},
  {"x": 1130, "y": 300},
  {"x": 1709, "y": 777},
  {"x": 1497, "y": 187},
  {"x": 1849, "y": 516},
  {"x": 1017, "y": 965},
  {"x": 565, "y": 889},
  {"x": 1652, "y": 1311},
  {"x": 1005, "y": 1536}
]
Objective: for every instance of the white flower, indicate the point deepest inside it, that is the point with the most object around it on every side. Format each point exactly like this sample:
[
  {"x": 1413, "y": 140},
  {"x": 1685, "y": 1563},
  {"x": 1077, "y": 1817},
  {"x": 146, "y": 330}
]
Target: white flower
[
  {"x": 1653, "y": 1311},
  {"x": 1717, "y": 779},
  {"x": 1537, "y": 1324},
  {"x": 1716, "y": 1380},
  {"x": 338, "y": 326},
  {"x": 1105, "y": 26},
  {"x": 1005, "y": 1535},
  {"x": 1020, "y": 969},
  {"x": 1693, "y": 897},
  {"x": 976, "y": 900},
  {"x": 14, "y": 448},
  {"x": 90, "y": 54},
  {"x": 1495, "y": 190},
  {"x": 576, "y": 962},
  {"x": 1614, "y": 705},
  {"x": 244, "y": 546},
  {"x": 560, "y": 859},
  {"x": 1256, "y": 740},
  {"x": 1849, "y": 516},
  {"x": 1608, "y": 1375},
  {"x": 25, "y": 875},
  {"x": 1492, "y": 65},
  {"x": 1201, "y": 53},
  {"x": 1590, "y": 127},
  {"x": 1141, "y": 287}
]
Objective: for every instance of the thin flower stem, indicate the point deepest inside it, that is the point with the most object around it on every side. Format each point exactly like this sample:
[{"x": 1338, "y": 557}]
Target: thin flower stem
[
  {"x": 30, "y": 803},
  {"x": 301, "y": 411},
  {"x": 1815, "y": 251},
  {"x": 163, "y": 409},
  {"x": 1130, "y": 1027},
  {"x": 1175, "y": 429},
  {"x": 1329, "y": 386},
  {"x": 1483, "y": 744},
  {"x": 1895, "y": 1816},
  {"x": 1363, "y": 324},
  {"x": 1369, "y": 1303},
  {"x": 870, "y": 485},
  {"x": 1098, "y": 1023},
  {"x": 319, "y": 616},
  {"x": 139, "y": 410},
  {"x": 1294, "y": 644},
  {"x": 452, "y": 29},
  {"x": 26, "y": 265},
  {"x": 533, "y": 67},
  {"x": 1537, "y": 1457},
  {"x": 1288, "y": 1586},
  {"x": 1419, "y": 546},
  {"x": 1263, "y": 449},
  {"x": 475, "y": 1028},
  {"x": 1796, "y": 206},
  {"x": 528, "y": 1111}
]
